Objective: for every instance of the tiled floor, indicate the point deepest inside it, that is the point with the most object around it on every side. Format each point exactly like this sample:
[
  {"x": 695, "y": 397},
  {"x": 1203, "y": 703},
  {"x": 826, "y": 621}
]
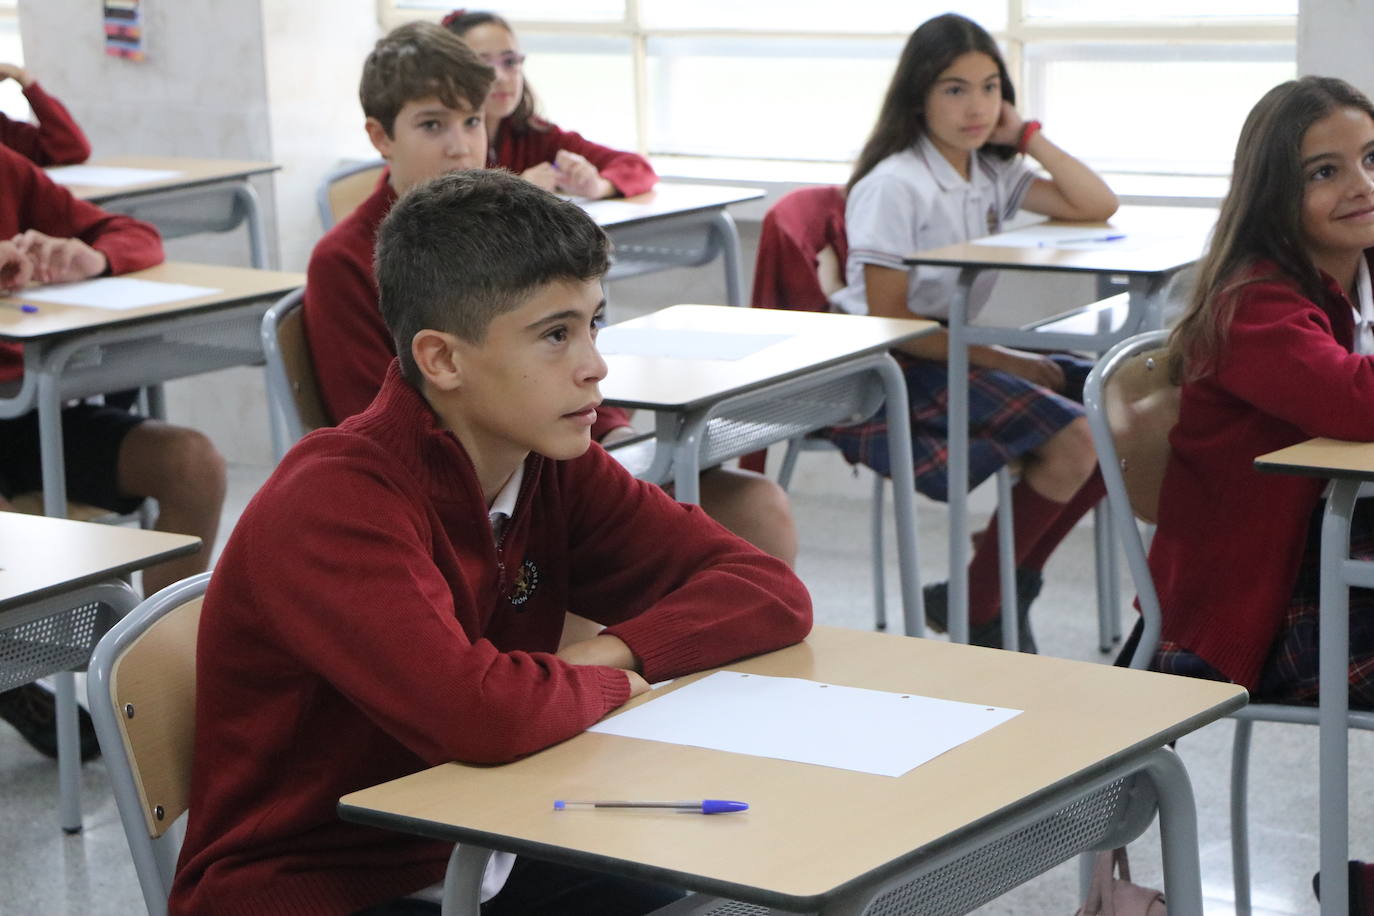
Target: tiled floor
[{"x": 46, "y": 873}]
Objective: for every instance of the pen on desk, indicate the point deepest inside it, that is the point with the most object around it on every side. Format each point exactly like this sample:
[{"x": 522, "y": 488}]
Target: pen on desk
[
  {"x": 1071, "y": 241},
  {"x": 21, "y": 306},
  {"x": 705, "y": 806}
]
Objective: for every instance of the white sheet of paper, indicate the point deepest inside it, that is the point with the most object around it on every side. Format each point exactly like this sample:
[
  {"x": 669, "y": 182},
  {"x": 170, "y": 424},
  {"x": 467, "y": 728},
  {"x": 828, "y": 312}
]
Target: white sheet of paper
[
  {"x": 850, "y": 728},
  {"x": 116, "y": 293},
  {"x": 603, "y": 212},
  {"x": 723, "y": 345},
  {"x": 108, "y": 176},
  {"x": 1077, "y": 238}
]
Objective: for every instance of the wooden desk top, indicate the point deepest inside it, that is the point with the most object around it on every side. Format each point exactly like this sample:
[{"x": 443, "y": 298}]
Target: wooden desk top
[
  {"x": 235, "y": 284},
  {"x": 41, "y": 556},
  {"x": 1329, "y": 458},
  {"x": 193, "y": 173},
  {"x": 666, "y": 200},
  {"x": 814, "y": 340},
  {"x": 1079, "y": 718},
  {"x": 1177, "y": 237}
]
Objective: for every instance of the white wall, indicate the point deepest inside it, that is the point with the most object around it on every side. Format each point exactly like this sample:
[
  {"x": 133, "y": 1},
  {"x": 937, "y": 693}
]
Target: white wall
[
  {"x": 271, "y": 80},
  {"x": 1336, "y": 38}
]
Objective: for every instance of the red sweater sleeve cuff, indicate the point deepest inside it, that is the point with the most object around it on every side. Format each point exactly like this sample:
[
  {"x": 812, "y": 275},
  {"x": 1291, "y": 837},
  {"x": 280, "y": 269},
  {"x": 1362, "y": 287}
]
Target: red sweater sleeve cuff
[
  {"x": 665, "y": 644},
  {"x": 615, "y": 688}
]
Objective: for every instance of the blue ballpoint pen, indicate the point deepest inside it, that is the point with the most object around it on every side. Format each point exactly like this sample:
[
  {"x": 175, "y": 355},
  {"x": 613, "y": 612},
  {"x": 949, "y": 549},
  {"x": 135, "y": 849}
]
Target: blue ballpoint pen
[
  {"x": 705, "y": 806},
  {"x": 23, "y": 307},
  {"x": 1076, "y": 241}
]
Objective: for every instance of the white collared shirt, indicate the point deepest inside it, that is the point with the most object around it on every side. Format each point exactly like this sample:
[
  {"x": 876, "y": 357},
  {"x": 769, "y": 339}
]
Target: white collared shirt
[
  {"x": 1364, "y": 310},
  {"x": 915, "y": 200},
  {"x": 503, "y": 506}
]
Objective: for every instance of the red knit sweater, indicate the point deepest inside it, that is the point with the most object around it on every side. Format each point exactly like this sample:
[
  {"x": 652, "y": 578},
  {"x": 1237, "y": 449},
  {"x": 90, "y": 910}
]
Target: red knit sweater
[
  {"x": 362, "y": 624},
  {"x": 30, "y": 200},
  {"x": 54, "y": 140},
  {"x": 350, "y": 345},
  {"x": 518, "y": 150},
  {"x": 1230, "y": 539}
]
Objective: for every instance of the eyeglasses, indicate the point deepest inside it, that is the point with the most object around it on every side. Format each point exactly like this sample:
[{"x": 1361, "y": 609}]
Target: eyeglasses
[{"x": 510, "y": 63}]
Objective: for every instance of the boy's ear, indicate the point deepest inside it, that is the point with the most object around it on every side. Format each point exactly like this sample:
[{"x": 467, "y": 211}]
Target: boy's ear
[
  {"x": 437, "y": 356},
  {"x": 378, "y": 135}
]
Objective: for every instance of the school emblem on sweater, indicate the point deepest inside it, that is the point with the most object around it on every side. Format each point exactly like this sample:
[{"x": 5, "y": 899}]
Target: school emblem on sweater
[{"x": 526, "y": 581}]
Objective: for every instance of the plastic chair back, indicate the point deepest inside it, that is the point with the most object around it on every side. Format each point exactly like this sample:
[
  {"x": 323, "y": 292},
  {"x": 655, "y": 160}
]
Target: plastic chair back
[
  {"x": 293, "y": 395},
  {"x": 141, "y": 690},
  {"x": 342, "y": 190}
]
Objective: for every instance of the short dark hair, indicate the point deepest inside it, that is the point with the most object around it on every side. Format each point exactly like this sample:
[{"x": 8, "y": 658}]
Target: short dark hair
[
  {"x": 458, "y": 251},
  {"x": 930, "y": 51},
  {"x": 418, "y": 60}
]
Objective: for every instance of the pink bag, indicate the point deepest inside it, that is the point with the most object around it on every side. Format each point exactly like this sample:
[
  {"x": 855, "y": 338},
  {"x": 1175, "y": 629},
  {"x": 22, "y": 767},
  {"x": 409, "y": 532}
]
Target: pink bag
[{"x": 1109, "y": 895}]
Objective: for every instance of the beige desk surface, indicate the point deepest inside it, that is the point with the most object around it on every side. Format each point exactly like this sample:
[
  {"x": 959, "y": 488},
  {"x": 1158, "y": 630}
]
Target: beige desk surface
[
  {"x": 233, "y": 285},
  {"x": 1329, "y": 458},
  {"x": 40, "y": 556},
  {"x": 814, "y": 340},
  {"x": 667, "y": 199},
  {"x": 193, "y": 173},
  {"x": 1177, "y": 236},
  {"x": 810, "y": 829}
]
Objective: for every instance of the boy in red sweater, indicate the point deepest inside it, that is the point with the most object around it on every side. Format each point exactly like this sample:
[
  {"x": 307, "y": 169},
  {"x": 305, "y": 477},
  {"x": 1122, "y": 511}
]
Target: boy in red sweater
[
  {"x": 114, "y": 458},
  {"x": 55, "y": 139},
  {"x": 394, "y": 596},
  {"x": 422, "y": 91}
]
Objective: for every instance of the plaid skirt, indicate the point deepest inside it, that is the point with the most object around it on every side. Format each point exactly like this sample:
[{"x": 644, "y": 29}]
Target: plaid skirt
[
  {"x": 1290, "y": 672},
  {"x": 1008, "y": 417}
]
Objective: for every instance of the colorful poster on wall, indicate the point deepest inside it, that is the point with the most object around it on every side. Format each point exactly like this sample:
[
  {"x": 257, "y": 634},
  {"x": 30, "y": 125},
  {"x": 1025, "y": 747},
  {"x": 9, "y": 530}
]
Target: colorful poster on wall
[{"x": 123, "y": 29}]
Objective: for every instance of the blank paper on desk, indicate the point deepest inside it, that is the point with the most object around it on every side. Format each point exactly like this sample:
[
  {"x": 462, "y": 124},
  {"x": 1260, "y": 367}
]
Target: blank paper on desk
[
  {"x": 850, "y": 728},
  {"x": 680, "y": 343}
]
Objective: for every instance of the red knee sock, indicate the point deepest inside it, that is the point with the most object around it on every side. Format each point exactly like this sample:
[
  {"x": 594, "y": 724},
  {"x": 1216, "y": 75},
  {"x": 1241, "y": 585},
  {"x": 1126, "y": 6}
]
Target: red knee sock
[
  {"x": 1032, "y": 516},
  {"x": 1088, "y": 495}
]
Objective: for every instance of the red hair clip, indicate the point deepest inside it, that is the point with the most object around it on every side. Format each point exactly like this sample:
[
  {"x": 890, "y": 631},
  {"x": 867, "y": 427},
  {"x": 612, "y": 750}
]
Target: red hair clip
[{"x": 453, "y": 17}]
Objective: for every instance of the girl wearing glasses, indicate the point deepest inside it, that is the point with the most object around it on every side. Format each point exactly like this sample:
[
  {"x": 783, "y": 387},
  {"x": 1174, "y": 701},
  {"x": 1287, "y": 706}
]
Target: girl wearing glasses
[{"x": 522, "y": 141}]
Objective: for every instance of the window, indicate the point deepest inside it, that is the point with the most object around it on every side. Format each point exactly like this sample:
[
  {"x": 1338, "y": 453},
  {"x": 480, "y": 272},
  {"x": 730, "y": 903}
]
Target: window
[
  {"x": 12, "y": 101},
  {"x": 1157, "y": 88}
]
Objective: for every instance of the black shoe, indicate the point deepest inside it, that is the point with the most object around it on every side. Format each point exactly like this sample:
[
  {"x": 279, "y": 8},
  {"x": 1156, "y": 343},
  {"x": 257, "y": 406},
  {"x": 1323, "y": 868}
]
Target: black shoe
[
  {"x": 32, "y": 710},
  {"x": 1358, "y": 905},
  {"x": 1028, "y": 582}
]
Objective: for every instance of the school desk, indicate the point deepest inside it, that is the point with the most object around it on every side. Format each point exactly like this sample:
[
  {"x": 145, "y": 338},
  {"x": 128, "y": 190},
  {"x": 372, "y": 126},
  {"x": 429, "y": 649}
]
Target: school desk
[
  {"x": 59, "y": 592},
  {"x": 1347, "y": 465},
  {"x": 206, "y": 195},
  {"x": 724, "y": 382},
  {"x": 1156, "y": 243},
  {"x": 73, "y": 351},
  {"x": 1072, "y": 772},
  {"x": 675, "y": 225}
]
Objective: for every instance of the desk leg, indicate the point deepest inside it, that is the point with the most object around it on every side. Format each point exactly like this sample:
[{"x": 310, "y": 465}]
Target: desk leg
[
  {"x": 51, "y": 455},
  {"x": 903, "y": 494},
  {"x": 1334, "y": 664},
  {"x": 68, "y": 753},
  {"x": 958, "y": 460},
  {"x": 728, "y": 237},
  {"x": 463, "y": 881},
  {"x": 686, "y": 457},
  {"x": 252, "y": 211},
  {"x": 1177, "y": 833}
]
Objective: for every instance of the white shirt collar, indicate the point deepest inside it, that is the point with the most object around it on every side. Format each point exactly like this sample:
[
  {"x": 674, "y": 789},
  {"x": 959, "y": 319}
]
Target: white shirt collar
[
  {"x": 1364, "y": 309},
  {"x": 945, "y": 174},
  {"x": 503, "y": 506}
]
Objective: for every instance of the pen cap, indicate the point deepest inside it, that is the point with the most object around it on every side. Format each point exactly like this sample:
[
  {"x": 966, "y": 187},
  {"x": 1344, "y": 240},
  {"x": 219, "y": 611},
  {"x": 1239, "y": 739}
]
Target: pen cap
[{"x": 720, "y": 806}]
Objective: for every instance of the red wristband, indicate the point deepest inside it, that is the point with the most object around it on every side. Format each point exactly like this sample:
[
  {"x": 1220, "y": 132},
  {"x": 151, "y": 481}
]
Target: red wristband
[{"x": 1028, "y": 130}]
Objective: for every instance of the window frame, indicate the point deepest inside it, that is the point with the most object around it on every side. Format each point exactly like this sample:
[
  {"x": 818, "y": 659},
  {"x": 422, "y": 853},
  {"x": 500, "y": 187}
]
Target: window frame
[{"x": 1019, "y": 32}]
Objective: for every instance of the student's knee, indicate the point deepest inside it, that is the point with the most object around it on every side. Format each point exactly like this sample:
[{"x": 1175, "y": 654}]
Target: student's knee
[
  {"x": 1067, "y": 459},
  {"x": 174, "y": 465},
  {"x": 753, "y": 507}
]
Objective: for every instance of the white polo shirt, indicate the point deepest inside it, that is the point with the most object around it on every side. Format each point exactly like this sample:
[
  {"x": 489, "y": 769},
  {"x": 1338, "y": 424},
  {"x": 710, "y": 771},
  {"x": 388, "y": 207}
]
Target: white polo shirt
[{"x": 915, "y": 200}]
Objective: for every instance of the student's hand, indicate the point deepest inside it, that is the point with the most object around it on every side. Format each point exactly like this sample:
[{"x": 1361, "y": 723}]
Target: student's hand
[
  {"x": 1033, "y": 367},
  {"x": 59, "y": 260},
  {"x": 1009, "y": 126},
  {"x": 602, "y": 649},
  {"x": 637, "y": 684},
  {"x": 542, "y": 175},
  {"x": 16, "y": 268},
  {"x": 16, "y": 73},
  {"x": 578, "y": 176}
]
